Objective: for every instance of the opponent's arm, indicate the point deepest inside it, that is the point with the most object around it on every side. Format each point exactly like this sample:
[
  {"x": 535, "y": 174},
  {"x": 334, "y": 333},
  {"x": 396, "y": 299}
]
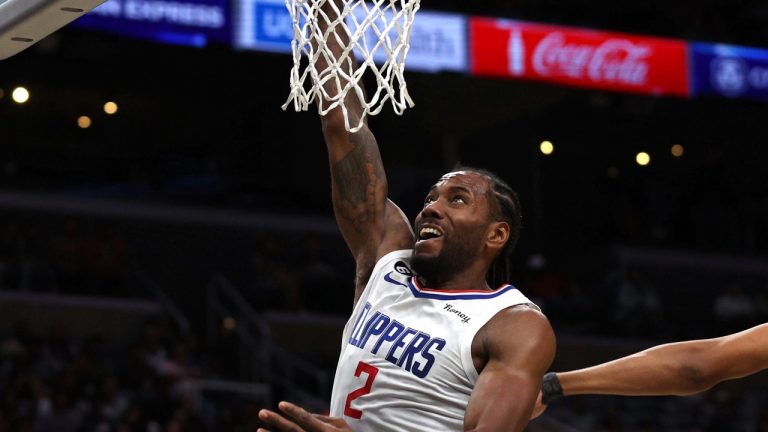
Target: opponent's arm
[
  {"x": 520, "y": 345},
  {"x": 680, "y": 368},
  {"x": 371, "y": 224}
]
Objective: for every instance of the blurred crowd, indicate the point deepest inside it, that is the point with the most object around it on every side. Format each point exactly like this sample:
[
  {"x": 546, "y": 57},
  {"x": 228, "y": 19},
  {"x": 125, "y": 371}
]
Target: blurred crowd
[
  {"x": 69, "y": 257},
  {"x": 55, "y": 382},
  {"x": 645, "y": 303}
]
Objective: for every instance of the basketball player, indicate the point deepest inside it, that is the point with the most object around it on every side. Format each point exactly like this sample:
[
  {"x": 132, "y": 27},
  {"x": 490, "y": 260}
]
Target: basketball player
[
  {"x": 437, "y": 340},
  {"x": 674, "y": 369}
]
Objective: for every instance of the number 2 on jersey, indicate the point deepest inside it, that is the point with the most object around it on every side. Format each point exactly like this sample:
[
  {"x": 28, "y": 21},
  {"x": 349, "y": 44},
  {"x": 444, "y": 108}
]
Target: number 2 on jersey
[{"x": 371, "y": 371}]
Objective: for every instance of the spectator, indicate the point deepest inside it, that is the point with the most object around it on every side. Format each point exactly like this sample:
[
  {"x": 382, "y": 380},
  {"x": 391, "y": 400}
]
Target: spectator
[
  {"x": 104, "y": 260},
  {"x": 638, "y": 305},
  {"x": 111, "y": 403},
  {"x": 319, "y": 281},
  {"x": 64, "y": 416},
  {"x": 68, "y": 262},
  {"x": 761, "y": 303},
  {"x": 544, "y": 285},
  {"x": 733, "y": 309},
  {"x": 273, "y": 283}
]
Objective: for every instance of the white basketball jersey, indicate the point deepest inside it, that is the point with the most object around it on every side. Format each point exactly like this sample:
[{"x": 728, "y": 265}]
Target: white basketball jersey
[{"x": 406, "y": 360}]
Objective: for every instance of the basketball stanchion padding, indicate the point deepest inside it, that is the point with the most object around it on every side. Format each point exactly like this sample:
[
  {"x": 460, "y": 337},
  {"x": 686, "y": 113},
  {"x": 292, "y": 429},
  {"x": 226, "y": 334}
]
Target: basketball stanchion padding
[
  {"x": 25, "y": 22},
  {"x": 379, "y": 34}
]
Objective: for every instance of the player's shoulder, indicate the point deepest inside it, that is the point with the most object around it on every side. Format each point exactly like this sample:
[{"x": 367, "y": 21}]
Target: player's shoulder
[
  {"x": 523, "y": 321},
  {"x": 521, "y": 314},
  {"x": 518, "y": 335}
]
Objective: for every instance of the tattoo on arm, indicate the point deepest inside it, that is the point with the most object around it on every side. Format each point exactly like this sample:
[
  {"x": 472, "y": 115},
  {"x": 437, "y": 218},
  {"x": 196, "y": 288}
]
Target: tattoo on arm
[
  {"x": 351, "y": 174},
  {"x": 357, "y": 177}
]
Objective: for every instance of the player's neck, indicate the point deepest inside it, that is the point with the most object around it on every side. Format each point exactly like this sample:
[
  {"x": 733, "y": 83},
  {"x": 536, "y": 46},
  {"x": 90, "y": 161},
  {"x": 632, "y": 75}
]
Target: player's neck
[{"x": 458, "y": 282}]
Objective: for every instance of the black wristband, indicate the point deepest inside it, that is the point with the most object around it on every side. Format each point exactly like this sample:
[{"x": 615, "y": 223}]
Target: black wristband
[{"x": 550, "y": 388}]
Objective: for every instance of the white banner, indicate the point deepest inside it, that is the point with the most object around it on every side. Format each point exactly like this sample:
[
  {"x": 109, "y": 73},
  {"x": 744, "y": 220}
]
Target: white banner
[{"x": 438, "y": 40}]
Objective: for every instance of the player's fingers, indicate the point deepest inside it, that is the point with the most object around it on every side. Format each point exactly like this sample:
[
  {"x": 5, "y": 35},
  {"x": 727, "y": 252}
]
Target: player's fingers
[
  {"x": 281, "y": 423},
  {"x": 302, "y": 417},
  {"x": 335, "y": 421},
  {"x": 539, "y": 408}
]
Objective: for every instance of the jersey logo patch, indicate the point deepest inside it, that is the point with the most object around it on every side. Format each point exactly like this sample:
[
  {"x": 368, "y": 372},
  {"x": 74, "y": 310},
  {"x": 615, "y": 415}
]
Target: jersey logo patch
[
  {"x": 388, "y": 278},
  {"x": 403, "y": 269}
]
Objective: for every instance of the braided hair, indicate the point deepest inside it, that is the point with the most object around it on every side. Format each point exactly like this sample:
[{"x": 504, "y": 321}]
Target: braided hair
[{"x": 507, "y": 209}]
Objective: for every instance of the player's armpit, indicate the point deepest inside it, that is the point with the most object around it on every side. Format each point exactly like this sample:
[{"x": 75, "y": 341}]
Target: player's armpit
[
  {"x": 520, "y": 346},
  {"x": 397, "y": 235}
]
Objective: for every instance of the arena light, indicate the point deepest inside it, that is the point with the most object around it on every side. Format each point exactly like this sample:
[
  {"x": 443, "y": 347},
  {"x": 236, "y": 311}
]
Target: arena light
[
  {"x": 677, "y": 150},
  {"x": 84, "y": 122},
  {"x": 229, "y": 323},
  {"x": 20, "y": 95},
  {"x": 546, "y": 147},
  {"x": 643, "y": 158},
  {"x": 110, "y": 107}
]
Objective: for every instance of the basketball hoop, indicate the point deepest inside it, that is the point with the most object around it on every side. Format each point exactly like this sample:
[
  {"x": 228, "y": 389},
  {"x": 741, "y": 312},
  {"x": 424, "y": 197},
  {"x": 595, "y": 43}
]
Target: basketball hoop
[{"x": 379, "y": 32}]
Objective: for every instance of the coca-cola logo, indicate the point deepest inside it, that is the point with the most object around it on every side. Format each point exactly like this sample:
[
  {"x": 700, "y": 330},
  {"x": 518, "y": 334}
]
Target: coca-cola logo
[{"x": 614, "y": 60}]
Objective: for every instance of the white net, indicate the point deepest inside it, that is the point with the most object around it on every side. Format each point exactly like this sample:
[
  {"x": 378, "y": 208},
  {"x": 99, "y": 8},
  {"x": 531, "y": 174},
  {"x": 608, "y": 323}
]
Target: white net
[{"x": 378, "y": 32}]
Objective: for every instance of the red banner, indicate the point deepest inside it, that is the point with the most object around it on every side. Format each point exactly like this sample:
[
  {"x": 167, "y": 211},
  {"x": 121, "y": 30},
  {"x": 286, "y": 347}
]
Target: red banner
[{"x": 578, "y": 57}]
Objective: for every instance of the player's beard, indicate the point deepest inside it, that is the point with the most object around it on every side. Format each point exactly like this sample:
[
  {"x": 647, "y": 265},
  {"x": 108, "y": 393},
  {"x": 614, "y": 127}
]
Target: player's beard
[{"x": 455, "y": 256}]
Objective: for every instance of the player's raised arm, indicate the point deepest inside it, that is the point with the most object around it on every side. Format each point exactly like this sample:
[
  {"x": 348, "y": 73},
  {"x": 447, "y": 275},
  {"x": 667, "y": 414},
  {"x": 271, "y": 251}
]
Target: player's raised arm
[
  {"x": 520, "y": 345},
  {"x": 680, "y": 368},
  {"x": 371, "y": 224}
]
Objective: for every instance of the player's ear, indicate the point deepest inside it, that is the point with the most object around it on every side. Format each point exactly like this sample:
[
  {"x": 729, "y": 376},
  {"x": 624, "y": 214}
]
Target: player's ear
[{"x": 498, "y": 234}]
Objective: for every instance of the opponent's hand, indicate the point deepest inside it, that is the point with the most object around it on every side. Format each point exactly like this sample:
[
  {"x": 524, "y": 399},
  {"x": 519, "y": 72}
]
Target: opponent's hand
[
  {"x": 539, "y": 408},
  {"x": 297, "y": 419}
]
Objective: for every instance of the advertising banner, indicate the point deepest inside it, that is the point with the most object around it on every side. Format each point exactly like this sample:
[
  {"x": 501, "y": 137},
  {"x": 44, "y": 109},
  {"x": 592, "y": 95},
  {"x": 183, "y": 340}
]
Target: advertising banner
[
  {"x": 729, "y": 71},
  {"x": 438, "y": 40},
  {"x": 578, "y": 57},
  {"x": 186, "y": 22},
  {"x": 263, "y": 25}
]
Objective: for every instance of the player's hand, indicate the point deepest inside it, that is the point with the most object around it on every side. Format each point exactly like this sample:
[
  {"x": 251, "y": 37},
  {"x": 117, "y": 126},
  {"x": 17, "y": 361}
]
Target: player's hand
[
  {"x": 297, "y": 419},
  {"x": 539, "y": 408}
]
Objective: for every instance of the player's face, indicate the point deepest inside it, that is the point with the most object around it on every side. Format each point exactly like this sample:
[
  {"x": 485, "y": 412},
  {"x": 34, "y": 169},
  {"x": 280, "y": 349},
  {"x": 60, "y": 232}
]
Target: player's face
[{"x": 451, "y": 228}]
